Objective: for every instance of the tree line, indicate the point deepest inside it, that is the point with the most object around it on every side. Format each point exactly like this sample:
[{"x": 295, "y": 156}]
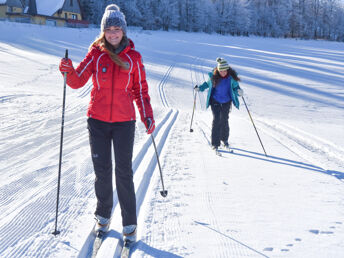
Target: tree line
[{"x": 306, "y": 19}]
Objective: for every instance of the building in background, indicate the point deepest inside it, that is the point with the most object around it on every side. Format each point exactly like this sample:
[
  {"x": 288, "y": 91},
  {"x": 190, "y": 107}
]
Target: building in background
[
  {"x": 10, "y": 6},
  {"x": 44, "y": 12}
]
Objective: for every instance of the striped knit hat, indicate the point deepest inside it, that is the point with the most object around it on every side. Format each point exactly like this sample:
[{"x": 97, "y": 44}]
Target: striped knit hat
[{"x": 222, "y": 64}]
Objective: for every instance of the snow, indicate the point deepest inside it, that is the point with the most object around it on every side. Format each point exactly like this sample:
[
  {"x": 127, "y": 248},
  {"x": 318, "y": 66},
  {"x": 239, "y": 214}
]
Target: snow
[
  {"x": 45, "y": 7},
  {"x": 287, "y": 204}
]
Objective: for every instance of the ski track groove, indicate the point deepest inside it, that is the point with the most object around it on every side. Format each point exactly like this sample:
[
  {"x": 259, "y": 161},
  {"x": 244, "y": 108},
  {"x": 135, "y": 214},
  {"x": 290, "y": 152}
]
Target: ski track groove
[
  {"x": 139, "y": 157},
  {"x": 308, "y": 141},
  {"x": 194, "y": 80},
  {"x": 199, "y": 81},
  {"x": 162, "y": 84},
  {"x": 148, "y": 174},
  {"x": 307, "y": 146},
  {"x": 142, "y": 189},
  {"x": 164, "y": 208}
]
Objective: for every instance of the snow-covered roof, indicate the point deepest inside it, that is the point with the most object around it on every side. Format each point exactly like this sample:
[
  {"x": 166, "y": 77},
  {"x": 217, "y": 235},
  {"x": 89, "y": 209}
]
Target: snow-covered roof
[
  {"x": 16, "y": 3},
  {"x": 48, "y": 8}
]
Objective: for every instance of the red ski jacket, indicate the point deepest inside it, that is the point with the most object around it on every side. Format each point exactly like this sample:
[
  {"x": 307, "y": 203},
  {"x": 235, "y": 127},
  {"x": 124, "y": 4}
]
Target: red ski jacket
[{"x": 114, "y": 88}]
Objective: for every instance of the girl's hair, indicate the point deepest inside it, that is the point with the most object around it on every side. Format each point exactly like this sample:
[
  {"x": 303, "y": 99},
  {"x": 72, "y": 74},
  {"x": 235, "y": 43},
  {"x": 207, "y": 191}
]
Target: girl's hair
[
  {"x": 230, "y": 72},
  {"x": 104, "y": 45}
]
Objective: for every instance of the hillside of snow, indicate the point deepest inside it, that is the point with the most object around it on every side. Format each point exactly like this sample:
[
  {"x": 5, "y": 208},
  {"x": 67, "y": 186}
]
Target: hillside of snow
[{"x": 289, "y": 203}]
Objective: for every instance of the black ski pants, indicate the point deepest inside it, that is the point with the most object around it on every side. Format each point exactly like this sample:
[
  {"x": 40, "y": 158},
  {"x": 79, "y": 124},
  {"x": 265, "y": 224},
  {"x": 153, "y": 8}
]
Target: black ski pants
[
  {"x": 220, "y": 126},
  {"x": 121, "y": 134}
]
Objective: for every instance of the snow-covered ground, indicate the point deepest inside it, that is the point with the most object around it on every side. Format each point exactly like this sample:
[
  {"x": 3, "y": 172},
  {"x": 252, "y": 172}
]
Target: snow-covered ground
[{"x": 245, "y": 204}]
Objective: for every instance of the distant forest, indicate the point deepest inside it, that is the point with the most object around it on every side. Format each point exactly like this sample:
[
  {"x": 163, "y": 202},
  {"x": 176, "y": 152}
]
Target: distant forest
[{"x": 306, "y": 19}]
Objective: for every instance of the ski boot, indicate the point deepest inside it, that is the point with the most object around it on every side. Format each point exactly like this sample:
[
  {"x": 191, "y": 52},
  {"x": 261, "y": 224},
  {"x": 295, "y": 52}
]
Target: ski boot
[
  {"x": 129, "y": 238},
  {"x": 227, "y": 147},
  {"x": 129, "y": 234},
  {"x": 102, "y": 225},
  {"x": 216, "y": 149}
]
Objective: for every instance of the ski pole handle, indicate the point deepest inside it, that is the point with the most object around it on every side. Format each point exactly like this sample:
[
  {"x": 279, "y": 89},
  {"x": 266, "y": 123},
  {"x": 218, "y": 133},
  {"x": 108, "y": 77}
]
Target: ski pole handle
[{"x": 65, "y": 74}]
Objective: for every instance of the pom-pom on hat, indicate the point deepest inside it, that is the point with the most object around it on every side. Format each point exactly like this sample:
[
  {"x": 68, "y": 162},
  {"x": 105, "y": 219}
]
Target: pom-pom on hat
[
  {"x": 222, "y": 64},
  {"x": 113, "y": 17}
]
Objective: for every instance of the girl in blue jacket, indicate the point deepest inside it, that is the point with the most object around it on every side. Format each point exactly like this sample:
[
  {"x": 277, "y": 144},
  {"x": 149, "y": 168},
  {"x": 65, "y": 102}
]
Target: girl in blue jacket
[{"x": 223, "y": 84}]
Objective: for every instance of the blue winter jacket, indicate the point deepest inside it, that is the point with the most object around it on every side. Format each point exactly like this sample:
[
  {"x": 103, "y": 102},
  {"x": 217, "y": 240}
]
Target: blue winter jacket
[{"x": 234, "y": 90}]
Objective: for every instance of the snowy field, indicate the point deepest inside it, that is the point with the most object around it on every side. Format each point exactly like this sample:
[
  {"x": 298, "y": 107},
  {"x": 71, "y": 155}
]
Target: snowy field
[{"x": 289, "y": 203}]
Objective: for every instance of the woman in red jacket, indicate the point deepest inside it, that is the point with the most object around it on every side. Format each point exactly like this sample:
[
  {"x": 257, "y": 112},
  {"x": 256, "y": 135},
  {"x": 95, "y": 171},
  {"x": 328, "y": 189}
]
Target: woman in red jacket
[{"x": 119, "y": 78}]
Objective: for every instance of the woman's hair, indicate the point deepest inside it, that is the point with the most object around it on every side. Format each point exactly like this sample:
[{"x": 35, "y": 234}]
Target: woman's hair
[
  {"x": 230, "y": 72},
  {"x": 104, "y": 45}
]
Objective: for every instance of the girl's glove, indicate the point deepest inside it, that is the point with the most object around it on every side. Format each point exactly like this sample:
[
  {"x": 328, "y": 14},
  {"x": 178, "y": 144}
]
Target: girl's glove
[
  {"x": 240, "y": 92},
  {"x": 150, "y": 125},
  {"x": 66, "y": 66}
]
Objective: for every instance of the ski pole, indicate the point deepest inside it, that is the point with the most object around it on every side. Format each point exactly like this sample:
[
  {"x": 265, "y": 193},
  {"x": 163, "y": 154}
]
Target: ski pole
[
  {"x": 254, "y": 125},
  {"x": 163, "y": 192},
  {"x": 193, "y": 111},
  {"x": 56, "y": 232}
]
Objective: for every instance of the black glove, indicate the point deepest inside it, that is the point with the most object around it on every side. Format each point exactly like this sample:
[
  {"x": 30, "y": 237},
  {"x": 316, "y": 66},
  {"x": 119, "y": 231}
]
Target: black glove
[
  {"x": 196, "y": 88},
  {"x": 150, "y": 125}
]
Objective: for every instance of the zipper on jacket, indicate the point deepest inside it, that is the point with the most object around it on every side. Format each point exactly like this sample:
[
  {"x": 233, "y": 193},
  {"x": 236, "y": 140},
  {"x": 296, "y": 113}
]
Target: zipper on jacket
[{"x": 112, "y": 90}]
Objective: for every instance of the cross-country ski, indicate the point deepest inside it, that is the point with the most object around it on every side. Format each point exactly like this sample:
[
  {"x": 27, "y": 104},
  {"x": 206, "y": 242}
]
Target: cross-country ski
[
  {"x": 97, "y": 243},
  {"x": 127, "y": 245}
]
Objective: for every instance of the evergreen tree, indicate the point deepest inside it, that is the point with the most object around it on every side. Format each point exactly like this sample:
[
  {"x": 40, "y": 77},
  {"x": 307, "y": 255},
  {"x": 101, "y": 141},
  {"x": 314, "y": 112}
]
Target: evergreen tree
[
  {"x": 276, "y": 18},
  {"x": 147, "y": 16}
]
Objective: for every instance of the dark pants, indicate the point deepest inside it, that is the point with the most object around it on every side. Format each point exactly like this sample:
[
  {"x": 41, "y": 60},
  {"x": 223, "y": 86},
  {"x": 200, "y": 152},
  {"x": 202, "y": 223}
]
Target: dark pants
[
  {"x": 121, "y": 135},
  {"x": 220, "y": 127}
]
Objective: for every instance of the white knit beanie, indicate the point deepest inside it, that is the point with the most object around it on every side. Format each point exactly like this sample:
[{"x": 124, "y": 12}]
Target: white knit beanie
[
  {"x": 222, "y": 64},
  {"x": 113, "y": 17}
]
